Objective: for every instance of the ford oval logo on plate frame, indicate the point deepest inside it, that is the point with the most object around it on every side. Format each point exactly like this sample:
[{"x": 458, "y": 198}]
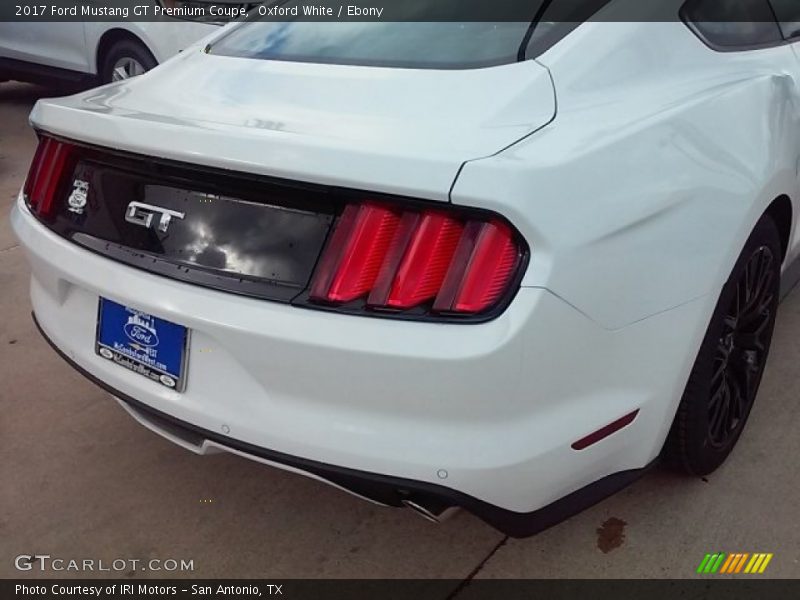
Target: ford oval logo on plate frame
[
  {"x": 141, "y": 332},
  {"x": 143, "y": 343}
]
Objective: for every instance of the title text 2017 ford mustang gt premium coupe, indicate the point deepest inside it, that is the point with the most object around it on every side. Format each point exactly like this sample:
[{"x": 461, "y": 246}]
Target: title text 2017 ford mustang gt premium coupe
[{"x": 438, "y": 265}]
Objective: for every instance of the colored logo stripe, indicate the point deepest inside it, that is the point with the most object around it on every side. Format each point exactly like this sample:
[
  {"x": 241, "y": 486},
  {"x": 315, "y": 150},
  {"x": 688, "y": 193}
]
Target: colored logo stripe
[
  {"x": 703, "y": 563},
  {"x": 711, "y": 563},
  {"x": 758, "y": 563},
  {"x": 727, "y": 564},
  {"x": 734, "y": 563}
]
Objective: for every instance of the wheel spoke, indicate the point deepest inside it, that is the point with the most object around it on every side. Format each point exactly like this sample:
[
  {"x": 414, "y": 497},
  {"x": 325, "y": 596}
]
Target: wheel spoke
[
  {"x": 738, "y": 399},
  {"x": 720, "y": 417},
  {"x": 752, "y": 341},
  {"x": 119, "y": 74},
  {"x": 761, "y": 311},
  {"x": 125, "y": 68},
  {"x": 719, "y": 371},
  {"x": 766, "y": 273},
  {"x": 742, "y": 347},
  {"x": 758, "y": 276}
]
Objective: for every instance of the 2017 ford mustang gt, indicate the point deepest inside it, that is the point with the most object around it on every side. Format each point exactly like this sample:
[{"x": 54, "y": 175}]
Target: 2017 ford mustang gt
[{"x": 497, "y": 266}]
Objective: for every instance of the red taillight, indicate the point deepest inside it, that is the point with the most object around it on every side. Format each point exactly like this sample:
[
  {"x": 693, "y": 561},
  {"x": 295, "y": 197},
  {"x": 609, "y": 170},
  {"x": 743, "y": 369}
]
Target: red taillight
[
  {"x": 52, "y": 162},
  {"x": 355, "y": 254},
  {"x": 33, "y": 172},
  {"x": 424, "y": 253},
  {"x": 484, "y": 264},
  {"x": 402, "y": 259}
]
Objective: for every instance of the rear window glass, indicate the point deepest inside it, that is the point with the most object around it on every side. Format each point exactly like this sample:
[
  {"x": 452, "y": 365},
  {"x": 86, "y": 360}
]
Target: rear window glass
[
  {"x": 412, "y": 45},
  {"x": 421, "y": 35}
]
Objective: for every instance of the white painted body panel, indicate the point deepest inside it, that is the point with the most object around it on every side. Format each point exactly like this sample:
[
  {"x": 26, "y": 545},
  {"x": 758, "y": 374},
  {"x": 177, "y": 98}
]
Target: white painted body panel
[
  {"x": 635, "y": 196},
  {"x": 60, "y": 45},
  {"x": 330, "y": 124},
  {"x": 495, "y": 405},
  {"x": 639, "y": 196}
]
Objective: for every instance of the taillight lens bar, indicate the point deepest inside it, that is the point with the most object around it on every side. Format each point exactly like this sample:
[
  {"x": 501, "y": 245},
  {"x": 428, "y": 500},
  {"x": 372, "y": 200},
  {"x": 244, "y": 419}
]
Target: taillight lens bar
[
  {"x": 400, "y": 259},
  {"x": 352, "y": 260},
  {"x": 484, "y": 263},
  {"x": 52, "y": 163}
]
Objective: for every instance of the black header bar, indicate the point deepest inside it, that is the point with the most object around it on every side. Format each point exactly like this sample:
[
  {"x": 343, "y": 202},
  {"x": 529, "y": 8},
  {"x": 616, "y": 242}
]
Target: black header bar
[{"x": 221, "y": 11}]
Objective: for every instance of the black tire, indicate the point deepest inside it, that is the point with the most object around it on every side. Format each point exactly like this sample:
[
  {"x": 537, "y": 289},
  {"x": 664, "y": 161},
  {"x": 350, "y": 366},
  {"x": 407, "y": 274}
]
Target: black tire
[
  {"x": 125, "y": 50},
  {"x": 726, "y": 375}
]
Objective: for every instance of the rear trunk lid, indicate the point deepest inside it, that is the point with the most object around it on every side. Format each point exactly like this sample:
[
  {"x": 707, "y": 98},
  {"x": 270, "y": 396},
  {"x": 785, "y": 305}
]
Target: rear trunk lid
[{"x": 390, "y": 130}]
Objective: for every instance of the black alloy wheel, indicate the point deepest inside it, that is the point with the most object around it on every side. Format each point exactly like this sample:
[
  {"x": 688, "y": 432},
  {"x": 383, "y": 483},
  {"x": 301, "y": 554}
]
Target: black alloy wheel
[
  {"x": 724, "y": 381},
  {"x": 742, "y": 348}
]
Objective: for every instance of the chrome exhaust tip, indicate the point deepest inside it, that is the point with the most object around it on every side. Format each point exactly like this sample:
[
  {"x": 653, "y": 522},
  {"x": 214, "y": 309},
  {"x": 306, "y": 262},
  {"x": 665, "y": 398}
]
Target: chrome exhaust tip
[{"x": 431, "y": 511}]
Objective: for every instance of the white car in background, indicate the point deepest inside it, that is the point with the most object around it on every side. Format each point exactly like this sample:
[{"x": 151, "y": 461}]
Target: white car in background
[
  {"x": 501, "y": 266},
  {"x": 91, "y": 53}
]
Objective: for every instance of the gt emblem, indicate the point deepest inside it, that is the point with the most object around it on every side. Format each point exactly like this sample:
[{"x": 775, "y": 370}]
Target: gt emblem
[
  {"x": 78, "y": 197},
  {"x": 151, "y": 217}
]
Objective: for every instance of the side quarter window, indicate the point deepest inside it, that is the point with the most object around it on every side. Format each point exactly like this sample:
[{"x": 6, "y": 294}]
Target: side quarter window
[
  {"x": 729, "y": 25},
  {"x": 788, "y": 13}
]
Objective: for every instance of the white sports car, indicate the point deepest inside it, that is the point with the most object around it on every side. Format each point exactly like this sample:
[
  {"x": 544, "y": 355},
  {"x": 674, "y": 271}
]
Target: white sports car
[{"x": 498, "y": 266}]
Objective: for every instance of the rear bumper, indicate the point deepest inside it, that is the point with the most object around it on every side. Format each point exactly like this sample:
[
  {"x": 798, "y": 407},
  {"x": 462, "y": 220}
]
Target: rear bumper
[
  {"x": 482, "y": 415},
  {"x": 382, "y": 489}
]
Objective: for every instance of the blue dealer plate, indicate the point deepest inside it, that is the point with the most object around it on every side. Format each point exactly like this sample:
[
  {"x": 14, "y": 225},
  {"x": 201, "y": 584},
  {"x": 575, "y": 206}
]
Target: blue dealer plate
[{"x": 145, "y": 344}]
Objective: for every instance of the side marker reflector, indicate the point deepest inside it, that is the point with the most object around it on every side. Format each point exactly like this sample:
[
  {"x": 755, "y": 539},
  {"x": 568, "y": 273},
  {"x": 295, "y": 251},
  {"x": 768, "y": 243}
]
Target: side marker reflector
[{"x": 604, "y": 432}]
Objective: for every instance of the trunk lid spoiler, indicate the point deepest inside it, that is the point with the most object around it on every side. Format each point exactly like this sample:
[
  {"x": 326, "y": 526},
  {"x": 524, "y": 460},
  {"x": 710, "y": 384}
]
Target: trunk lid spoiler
[{"x": 396, "y": 131}]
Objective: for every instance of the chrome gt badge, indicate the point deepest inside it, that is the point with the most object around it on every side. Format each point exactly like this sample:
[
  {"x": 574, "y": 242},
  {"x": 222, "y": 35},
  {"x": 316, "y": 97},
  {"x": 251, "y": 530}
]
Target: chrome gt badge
[
  {"x": 78, "y": 198},
  {"x": 151, "y": 217}
]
